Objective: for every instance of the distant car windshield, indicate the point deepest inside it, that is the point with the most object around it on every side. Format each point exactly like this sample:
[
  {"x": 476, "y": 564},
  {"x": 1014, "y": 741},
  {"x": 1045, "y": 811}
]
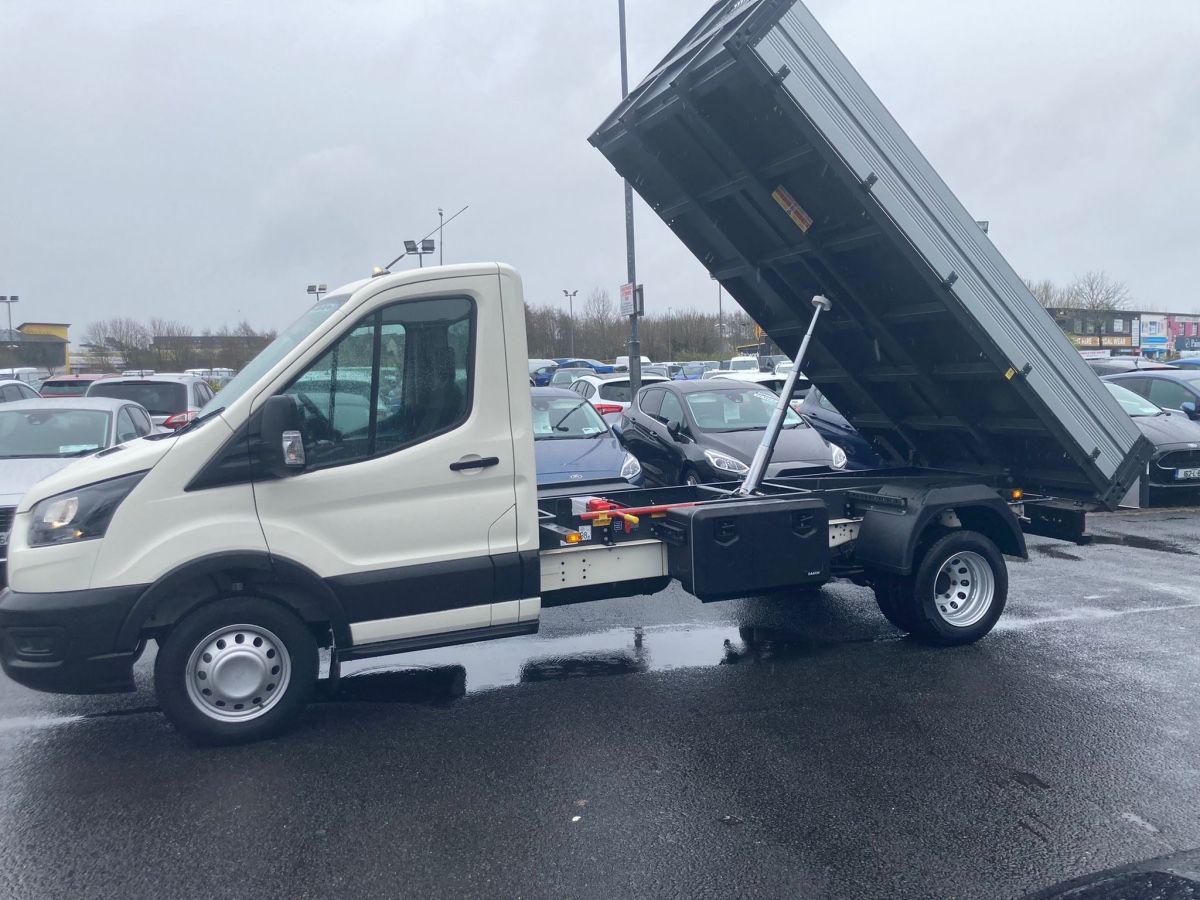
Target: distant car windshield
[
  {"x": 568, "y": 376},
  {"x": 52, "y": 432},
  {"x": 161, "y": 398},
  {"x": 749, "y": 364},
  {"x": 64, "y": 388},
  {"x": 1130, "y": 402},
  {"x": 747, "y": 410},
  {"x": 290, "y": 338},
  {"x": 693, "y": 370},
  {"x": 555, "y": 418}
]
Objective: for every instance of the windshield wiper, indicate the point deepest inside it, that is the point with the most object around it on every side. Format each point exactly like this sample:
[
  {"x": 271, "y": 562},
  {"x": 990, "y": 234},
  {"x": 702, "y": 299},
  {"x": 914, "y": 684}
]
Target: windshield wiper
[{"x": 196, "y": 421}]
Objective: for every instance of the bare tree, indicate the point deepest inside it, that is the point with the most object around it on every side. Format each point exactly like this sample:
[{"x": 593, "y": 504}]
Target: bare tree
[
  {"x": 1046, "y": 291},
  {"x": 1096, "y": 291}
]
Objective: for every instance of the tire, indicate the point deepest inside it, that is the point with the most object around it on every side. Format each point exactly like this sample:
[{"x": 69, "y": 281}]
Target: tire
[
  {"x": 690, "y": 477},
  {"x": 893, "y": 594},
  {"x": 236, "y": 670},
  {"x": 958, "y": 591}
]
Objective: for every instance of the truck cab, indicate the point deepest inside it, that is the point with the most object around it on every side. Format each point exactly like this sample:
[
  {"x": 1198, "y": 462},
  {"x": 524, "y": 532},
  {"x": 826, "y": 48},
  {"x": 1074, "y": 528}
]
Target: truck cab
[{"x": 408, "y": 511}]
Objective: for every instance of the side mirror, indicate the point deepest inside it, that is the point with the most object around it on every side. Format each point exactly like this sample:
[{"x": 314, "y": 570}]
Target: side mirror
[
  {"x": 615, "y": 427},
  {"x": 1189, "y": 407},
  {"x": 674, "y": 429},
  {"x": 282, "y": 445}
]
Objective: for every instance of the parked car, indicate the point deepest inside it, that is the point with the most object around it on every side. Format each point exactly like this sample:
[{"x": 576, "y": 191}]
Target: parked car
[
  {"x": 12, "y": 389},
  {"x": 609, "y": 395},
  {"x": 822, "y": 415},
  {"x": 1168, "y": 388},
  {"x": 573, "y": 445},
  {"x": 767, "y": 362},
  {"x": 68, "y": 385},
  {"x": 39, "y": 437},
  {"x": 690, "y": 432},
  {"x": 621, "y": 364},
  {"x": 1191, "y": 362},
  {"x": 541, "y": 370},
  {"x": 692, "y": 371},
  {"x": 600, "y": 368},
  {"x": 1175, "y": 465},
  {"x": 662, "y": 370},
  {"x": 1113, "y": 365},
  {"x": 172, "y": 400},
  {"x": 740, "y": 364},
  {"x": 768, "y": 380},
  {"x": 566, "y": 377}
]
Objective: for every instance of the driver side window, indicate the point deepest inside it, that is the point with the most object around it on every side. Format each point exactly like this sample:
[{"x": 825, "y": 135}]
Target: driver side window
[{"x": 398, "y": 378}]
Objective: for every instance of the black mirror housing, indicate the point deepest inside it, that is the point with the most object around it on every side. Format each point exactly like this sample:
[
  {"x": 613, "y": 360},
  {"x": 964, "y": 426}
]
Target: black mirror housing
[
  {"x": 674, "y": 429},
  {"x": 1189, "y": 407}
]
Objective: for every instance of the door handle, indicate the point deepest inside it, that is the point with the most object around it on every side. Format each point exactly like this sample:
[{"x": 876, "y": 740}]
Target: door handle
[{"x": 481, "y": 463}]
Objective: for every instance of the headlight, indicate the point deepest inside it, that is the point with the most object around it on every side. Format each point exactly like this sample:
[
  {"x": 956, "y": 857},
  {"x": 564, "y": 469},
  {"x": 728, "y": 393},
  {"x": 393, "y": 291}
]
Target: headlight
[
  {"x": 631, "y": 468},
  {"x": 839, "y": 456},
  {"x": 79, "y": 515},
  {"x": 723, "y": 463}
]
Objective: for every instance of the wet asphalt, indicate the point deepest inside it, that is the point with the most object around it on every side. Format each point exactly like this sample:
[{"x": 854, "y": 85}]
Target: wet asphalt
[{"x": 663, "y": 747}]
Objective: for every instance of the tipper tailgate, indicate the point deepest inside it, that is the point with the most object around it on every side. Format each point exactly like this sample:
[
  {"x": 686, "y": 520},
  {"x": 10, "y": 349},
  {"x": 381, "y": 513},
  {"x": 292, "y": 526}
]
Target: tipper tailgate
[{"x": 767, "y": 154}]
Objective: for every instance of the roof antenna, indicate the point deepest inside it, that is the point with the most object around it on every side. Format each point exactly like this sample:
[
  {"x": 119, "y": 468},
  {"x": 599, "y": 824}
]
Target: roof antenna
[{"x": 386, "y": 270}]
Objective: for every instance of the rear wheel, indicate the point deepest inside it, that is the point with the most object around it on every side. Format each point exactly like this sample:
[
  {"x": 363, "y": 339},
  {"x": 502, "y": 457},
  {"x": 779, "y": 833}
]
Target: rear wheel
[
  {"x": 956, "y": 594},
  {"x": 239, "y": 669},
  {"x": 690, "y": 477}
]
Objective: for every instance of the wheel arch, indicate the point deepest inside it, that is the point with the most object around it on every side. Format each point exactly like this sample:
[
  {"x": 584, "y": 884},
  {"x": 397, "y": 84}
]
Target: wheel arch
[
  {"x": 201, "y": 580},
  {"x": 889, "y": 538}
]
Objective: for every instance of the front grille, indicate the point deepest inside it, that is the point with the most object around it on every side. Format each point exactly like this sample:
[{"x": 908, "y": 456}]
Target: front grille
[
  {"x": 6, "y": 520},
  {"x": 1180, "y": 459}
]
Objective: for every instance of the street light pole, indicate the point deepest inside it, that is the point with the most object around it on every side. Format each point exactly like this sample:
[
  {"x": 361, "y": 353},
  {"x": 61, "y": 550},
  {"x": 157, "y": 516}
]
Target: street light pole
[
  {"x": 9, "y": 301},
  {"x": 570, "y": 295},
  {"x": 635, "y": 347},
  {"x": 670, "y": 343}
]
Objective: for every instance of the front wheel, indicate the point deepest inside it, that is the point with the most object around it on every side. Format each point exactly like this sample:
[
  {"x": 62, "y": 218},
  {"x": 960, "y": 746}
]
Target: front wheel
[
  {"x": 236, "y": 670},
  {"x": 955, "y": 596}
]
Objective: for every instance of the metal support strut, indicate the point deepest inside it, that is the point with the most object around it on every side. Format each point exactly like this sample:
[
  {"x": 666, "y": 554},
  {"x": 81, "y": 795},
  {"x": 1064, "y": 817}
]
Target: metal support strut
[{"x": 762, "y": 456}]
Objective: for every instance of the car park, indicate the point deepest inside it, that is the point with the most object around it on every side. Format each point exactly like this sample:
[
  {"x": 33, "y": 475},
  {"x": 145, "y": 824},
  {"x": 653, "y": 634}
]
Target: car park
[
  {"x": 1175, "y": 466},
  {"x": 57, "y": 386},
  {"x": 12, "y": 390},
  {"x": 39, "y": 437},
  {"x": 574, "y": 446},
  {"x": 697, "y": 432},
  {"x": 1168, "y": 388},
  {"x": 564, "y": 377},
  {"x": 172, "y": 400},
  {"x": 609, "y": 395}
]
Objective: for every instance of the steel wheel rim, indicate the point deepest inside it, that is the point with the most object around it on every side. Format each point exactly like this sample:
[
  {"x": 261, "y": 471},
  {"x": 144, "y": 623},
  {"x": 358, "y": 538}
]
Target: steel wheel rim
[
  {"x": 964, "y": 588},
  {"x": 238, "y": 673}
]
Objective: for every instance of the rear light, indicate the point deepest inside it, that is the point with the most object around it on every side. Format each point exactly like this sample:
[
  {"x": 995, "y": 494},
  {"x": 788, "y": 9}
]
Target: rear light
[
  {"x": 605, "y": 408},
  {"x": 179, "y": 419}
]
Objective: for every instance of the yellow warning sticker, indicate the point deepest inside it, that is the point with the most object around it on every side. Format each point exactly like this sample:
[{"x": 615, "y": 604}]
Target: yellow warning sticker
[
  {"x": 1010, "y": 374},
  {"x": 794, "y": 210}
]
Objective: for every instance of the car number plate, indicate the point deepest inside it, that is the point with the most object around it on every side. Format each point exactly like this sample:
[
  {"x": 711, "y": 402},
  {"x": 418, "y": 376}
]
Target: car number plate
[{"x": 1185, "y": 474}]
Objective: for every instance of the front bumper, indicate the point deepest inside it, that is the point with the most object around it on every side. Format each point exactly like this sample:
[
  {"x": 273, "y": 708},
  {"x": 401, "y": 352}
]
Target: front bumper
[{"x": 66, "y": 643}]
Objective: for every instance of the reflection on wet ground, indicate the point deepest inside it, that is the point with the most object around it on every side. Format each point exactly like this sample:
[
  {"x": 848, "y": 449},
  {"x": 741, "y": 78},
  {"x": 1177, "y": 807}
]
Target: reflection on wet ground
[{"x": 424, "y": 678}]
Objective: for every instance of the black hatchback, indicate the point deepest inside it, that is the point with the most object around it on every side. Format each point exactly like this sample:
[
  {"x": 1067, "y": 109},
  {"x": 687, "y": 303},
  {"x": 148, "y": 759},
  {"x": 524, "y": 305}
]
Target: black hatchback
[{"x": 689, "y": 432}]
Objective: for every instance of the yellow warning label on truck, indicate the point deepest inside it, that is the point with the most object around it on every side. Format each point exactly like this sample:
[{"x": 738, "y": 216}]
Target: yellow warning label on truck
[{"x": 794, "y": 210}]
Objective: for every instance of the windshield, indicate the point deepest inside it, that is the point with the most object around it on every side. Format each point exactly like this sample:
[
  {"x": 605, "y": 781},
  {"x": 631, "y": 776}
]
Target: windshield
[
  {"x": 52, "y": 432},
  {"x": 1130, "y": 402},
  {"x": 743, "y": 365},
  {"x": 555, "y": 418},
  {"x": 287, "y": 341},
  {"x": 693, "y": 370},
  {"x": 748, "y": 410},
  {"x": 161, "y": 398}
]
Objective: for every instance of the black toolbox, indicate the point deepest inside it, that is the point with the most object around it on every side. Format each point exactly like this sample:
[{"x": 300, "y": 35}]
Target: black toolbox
[{"x": 738, "y": 548}]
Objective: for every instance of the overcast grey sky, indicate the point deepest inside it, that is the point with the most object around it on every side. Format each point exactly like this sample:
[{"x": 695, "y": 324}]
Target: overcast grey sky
[{"x": 207, "y": 161}]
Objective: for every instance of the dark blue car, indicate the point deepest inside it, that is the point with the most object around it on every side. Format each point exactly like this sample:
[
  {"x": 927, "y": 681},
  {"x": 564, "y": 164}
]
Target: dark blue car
[
  {"x": 833, "y": 426},
  {"x": 595, "y": 365},
  {"x": 573, "y": 445}
]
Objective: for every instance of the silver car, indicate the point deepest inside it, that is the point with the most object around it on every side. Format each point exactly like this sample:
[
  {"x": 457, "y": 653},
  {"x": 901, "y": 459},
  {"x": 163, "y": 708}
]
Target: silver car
[
  {"x": 172, "y": 400},
  {"x": 39, "y": 437}
]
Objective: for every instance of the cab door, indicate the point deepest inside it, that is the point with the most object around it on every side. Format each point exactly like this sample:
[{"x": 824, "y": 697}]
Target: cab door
[{"x": 406, "y": 505}]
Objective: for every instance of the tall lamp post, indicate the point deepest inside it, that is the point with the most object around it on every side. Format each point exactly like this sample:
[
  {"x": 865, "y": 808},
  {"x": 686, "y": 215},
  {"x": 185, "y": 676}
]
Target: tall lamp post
[
  {"x": 670, "y": 343},
  {"x": 570, "y": 295},
  {"x": 635, "y": 347},
  {"x": 419, "y": 249},
  {"x": 441, "y": 246},
  {"x": 317, "y": 290}
]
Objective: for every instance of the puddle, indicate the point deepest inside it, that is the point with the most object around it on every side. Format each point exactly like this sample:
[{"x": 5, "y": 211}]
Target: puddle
[
  {"x": 1142, "y": 543},
  {"x": 1055, "y": 551},
  {"x": 445, "y": 674}
]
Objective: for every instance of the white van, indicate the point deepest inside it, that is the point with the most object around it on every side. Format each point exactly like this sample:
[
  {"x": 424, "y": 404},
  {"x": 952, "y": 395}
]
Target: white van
[{"x": 621, "y": 363}]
